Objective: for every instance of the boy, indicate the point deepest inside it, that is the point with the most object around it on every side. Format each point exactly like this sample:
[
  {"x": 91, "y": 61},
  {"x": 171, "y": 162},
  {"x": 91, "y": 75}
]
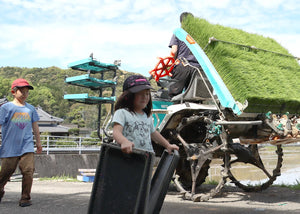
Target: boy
[{"x": 17, "y": 120}]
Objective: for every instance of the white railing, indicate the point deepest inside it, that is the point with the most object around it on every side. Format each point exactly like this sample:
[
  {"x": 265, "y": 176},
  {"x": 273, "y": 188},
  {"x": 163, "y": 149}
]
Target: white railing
[
  {"x": 59, "y": 144},
  {"x": 69, "y": 144},
  {"x": 79, "y": 144}
]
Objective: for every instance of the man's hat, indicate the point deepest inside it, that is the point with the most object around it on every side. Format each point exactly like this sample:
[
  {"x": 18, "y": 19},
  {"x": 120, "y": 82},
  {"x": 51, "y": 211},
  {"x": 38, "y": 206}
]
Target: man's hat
[
  {"x": 136, "y": 83},
  {"x": 20, "y": 83}
]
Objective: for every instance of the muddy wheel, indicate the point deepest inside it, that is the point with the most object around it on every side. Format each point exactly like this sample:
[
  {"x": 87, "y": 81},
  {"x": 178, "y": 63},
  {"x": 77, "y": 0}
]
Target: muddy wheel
[
  {"x": 208, "y": 192},
  {"x": 184, "y": 171},
  {"x": 267, "y": 161}
]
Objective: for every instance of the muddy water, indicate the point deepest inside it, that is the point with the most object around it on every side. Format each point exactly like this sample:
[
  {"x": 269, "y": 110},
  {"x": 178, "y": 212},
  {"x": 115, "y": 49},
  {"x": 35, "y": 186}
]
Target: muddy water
[{"x": 290, "y": 170}]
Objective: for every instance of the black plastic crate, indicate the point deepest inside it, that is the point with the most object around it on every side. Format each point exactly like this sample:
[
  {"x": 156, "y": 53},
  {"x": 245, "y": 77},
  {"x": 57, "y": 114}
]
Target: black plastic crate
[
  {"x": 122, "y": 182},
  {"x": 161, "y": 180}
]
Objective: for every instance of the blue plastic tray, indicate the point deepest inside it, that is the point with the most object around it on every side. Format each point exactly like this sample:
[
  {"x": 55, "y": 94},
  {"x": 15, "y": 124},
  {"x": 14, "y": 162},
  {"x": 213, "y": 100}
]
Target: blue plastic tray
[
  {"x": 92, "y": 66},
  {"x": 85, "y": 98},
  {"x": 89, "y": 82}
]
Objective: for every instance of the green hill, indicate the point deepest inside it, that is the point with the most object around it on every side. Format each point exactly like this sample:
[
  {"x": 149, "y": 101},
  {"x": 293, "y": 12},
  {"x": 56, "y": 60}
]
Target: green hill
[
  {"x": 267, "y": 80},
  {"x": 49, "y": 90}
]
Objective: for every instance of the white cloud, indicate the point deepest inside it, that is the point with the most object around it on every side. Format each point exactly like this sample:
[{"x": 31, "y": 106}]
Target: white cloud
[
  {"x": 289, "y": 41},
  {"x": 217, "y": 4},
  {"x": 136, "y": 45},
  {"x": 62, "y": 31},
  {"x": 269, "y": 4}
]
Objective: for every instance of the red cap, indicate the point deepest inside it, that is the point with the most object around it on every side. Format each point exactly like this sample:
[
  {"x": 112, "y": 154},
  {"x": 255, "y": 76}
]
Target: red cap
[{"x": 20, "y": 83}]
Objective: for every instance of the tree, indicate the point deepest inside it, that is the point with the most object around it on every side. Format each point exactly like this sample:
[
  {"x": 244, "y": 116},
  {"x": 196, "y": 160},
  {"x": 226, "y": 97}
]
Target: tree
[
  {"x": 76, "y": 115},
  {"x": 5, "y": 88},
  {"x": 42, "y": 96}
]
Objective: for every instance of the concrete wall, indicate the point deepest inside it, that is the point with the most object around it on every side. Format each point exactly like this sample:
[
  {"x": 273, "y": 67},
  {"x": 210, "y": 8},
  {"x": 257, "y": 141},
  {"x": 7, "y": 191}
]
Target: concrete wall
[{"x": 64, "y": 164}]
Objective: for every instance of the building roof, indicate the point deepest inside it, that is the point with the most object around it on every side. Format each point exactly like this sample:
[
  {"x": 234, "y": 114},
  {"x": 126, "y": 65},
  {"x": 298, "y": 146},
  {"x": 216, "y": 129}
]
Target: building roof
[
  {"x": 45, "y": 117},
  {"x": 49, "y": 123},
  {"x": 3, "y": 100},
  {"x": 54, "y": 129}
]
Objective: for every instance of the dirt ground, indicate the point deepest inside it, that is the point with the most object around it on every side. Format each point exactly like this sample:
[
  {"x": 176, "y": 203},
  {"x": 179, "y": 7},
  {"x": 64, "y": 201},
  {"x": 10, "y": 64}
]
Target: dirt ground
[
  {"x": 234, "y": 200},
  {"x": 73, "y": 197}
]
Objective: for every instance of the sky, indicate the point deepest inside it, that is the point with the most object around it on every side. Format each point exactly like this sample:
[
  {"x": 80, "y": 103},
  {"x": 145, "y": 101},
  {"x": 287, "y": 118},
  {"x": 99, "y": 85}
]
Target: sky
[{"x": 44, "y": 33}]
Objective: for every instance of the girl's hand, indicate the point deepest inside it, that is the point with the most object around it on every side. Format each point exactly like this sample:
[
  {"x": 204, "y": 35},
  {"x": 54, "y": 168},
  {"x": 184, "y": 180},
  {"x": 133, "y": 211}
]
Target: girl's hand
[
  {"x": 157, "y": 137},
  {"x": 126, "y": 147},
  {"x": 172, "y": 147}
]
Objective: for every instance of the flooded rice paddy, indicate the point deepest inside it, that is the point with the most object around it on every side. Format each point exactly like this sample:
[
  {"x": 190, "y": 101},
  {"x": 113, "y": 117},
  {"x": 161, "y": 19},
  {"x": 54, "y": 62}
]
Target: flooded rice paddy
[{"x": 249, "y": 174}]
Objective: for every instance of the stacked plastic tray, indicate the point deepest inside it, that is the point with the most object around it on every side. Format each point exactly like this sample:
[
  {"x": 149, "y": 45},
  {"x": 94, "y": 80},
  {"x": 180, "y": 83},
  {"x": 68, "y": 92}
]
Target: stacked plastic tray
[{"x": 92, "y": 67}]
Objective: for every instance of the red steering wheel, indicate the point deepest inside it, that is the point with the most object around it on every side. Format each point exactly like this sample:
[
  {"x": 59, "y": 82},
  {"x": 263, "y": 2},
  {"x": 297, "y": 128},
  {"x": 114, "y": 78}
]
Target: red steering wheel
[{"x": 163, "y": 67}]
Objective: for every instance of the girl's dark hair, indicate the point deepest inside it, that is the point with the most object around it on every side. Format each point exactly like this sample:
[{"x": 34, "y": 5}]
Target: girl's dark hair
[{"x": 126, "y": 100}]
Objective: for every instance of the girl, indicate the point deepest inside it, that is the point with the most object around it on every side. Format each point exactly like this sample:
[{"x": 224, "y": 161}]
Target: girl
[{"x": 132, "y": 121}]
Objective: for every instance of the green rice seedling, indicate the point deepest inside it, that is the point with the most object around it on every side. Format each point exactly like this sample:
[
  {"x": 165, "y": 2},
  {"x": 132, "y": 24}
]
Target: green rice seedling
[{"x": 253, "y": 67}]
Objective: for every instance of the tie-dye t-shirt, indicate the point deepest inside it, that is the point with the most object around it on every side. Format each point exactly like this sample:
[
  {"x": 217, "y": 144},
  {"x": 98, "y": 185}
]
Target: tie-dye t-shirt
[
  {"x": 16, "y": 122},
  {"x": 137, "y": 128}
]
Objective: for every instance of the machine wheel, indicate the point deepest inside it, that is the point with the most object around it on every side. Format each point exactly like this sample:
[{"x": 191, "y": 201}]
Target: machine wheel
[
  {"x": 259, "y": 174},
  {"x": 212, "y": 190},
  {"x": 184, "y": 171}
]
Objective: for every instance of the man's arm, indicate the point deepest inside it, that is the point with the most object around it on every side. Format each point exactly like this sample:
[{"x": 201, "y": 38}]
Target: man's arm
[{"x": 174, "y": 50}]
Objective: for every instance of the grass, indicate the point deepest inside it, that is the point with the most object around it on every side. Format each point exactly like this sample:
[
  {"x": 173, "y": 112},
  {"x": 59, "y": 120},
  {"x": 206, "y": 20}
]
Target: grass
[
  {"x": 269, "y": 81},
  {"x": 59, "y": 178},
  {"x": 294, "y": 187},
  {"x": 209, "y": 182}
]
